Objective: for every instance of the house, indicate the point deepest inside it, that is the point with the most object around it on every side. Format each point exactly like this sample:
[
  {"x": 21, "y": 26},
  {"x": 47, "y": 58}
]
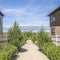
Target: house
[
  {"x": 55, "y": 22},
  {"x": 1, "y": 23}
]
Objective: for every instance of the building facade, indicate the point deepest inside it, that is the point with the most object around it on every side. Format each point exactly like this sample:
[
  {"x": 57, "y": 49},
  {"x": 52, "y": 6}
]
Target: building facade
[
  {"x": 55, "y": 22},
  {"x": 1, "y": 23}
]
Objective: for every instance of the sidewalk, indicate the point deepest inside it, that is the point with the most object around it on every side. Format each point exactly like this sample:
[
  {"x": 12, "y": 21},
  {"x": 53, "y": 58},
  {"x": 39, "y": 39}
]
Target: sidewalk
[{"x": 30, "y": 52}]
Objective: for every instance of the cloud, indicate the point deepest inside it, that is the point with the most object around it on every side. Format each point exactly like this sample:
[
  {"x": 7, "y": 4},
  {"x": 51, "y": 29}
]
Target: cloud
[
  {"x": 29, "y": 15},
  {"x": 7, "y": 26},
  {"x": 34, "y": 13},
  {"x": 18, "y": 10},
  {"x": 13, "y": 10}
]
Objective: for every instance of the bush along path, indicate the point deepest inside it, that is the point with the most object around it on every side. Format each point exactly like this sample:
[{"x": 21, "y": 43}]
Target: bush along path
[
  {"x": 30, "y": 52},
  {"x": 43, "y": 40},
  {"x": 15, "y": 41}
]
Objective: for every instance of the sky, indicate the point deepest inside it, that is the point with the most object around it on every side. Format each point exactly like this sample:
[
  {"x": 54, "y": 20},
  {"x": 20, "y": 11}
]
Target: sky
[{"x": 27, "y": 12}]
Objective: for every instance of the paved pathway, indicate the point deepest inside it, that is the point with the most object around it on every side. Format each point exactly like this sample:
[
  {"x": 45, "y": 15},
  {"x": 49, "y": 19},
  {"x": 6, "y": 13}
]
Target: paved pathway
[{"x": 30, "y": 52}]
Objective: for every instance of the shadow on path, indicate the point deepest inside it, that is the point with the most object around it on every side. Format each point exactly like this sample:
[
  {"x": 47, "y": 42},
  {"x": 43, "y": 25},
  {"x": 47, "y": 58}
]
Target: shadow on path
[
  {"x": 23, "y": 50},
  {"x": 15, "y": 57},
  {"x": 30, "y": 52}
]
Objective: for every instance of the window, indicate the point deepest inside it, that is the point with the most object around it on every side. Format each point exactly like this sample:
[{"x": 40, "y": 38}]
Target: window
[
  {"x": 52, "y": 18},
  {"x": 53, "y": 31}
]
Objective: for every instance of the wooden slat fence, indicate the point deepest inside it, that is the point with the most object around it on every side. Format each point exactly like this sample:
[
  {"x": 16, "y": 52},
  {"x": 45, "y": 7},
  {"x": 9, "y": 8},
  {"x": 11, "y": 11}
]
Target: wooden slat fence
[
  {"x": 56, "y": 39},
  {"x": 3, "y": 40}
]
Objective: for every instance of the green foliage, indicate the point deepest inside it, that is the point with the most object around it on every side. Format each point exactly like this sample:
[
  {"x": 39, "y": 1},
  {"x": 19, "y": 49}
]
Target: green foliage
[
  {"x": 1, "y": 46},
  {"x": 15, "y": 35},
  {"x": 28, "y": 35},
  {"x": 43, "y": 38},
  {"x": 51, "y": 51},
  {"x": 18, "y": 38},
  {"x": 7, "y": 52},
  {"x": 34, "y": 38},
  {"x": 15, "y": 40}
]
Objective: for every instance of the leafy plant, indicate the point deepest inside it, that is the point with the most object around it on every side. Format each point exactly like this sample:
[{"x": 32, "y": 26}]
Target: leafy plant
[
  {"x": 15, "y": 35},
  {"x": 43, "y": 38},
  {"x": 8, "y": 52}
]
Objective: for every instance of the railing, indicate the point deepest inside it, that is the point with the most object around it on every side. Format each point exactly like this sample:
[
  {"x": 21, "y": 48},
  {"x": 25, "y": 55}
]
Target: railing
[
  {"x": 56, "y": 39},
  {"x": 3, "y": 40}
]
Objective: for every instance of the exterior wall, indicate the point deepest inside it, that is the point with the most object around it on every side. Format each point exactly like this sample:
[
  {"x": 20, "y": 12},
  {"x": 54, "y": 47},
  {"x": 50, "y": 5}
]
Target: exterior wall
[
  {"x": 57, "y": 19},
  {"x": 1, "y": 28},
  {"x": 57, "y": 30},
  {"x": 4, "y": 40},
  {"x": 51, "y": 30}
]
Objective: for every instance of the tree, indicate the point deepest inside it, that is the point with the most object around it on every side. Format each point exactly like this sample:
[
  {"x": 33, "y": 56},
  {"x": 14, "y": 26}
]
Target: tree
[
  {"x": 15, "y": 35},
  {"x": 43, "y": 37}
]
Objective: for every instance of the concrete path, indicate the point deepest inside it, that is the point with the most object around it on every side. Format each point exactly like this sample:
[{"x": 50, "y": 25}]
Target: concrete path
[{"x": 30, "y": 52}]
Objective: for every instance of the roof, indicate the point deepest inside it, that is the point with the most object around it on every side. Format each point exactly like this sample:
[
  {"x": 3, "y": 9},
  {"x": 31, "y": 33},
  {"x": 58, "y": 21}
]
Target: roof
[
  {"x": 54, "y": 11},
  {"x": 1, "y": 13}
]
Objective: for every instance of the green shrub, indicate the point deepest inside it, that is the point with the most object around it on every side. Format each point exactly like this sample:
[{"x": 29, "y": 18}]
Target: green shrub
[
  {"x": 8, "y": 52},
  {"x": 28, "y": 35},
  {"x": 34, "y": 38},
  {"x": 45, "y": 48},
  {"x": 15, "y": 40},
  {"x": 1, "y": 46},
  {"x": 43, "y": 38},
  {"x": 15, "y": 35},
  {"x": 51, "y": 51}
]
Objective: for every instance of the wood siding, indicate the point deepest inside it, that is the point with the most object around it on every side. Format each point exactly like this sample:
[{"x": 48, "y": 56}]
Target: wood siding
[
  {"x": 57, "y": 30},
  {"x": 57, "y": 19},
  {"x": 1, "y": 27}
]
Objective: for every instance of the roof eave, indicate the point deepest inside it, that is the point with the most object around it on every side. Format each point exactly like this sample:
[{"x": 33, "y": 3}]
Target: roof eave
[
  {"x": 54, "y": 11},
  {"x": 1, "y": 13}
]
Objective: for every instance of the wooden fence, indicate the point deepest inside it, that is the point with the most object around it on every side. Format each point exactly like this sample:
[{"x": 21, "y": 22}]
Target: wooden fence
[
  {"x": 56, "y": 39},
  {"x": 3, "y": 40}
]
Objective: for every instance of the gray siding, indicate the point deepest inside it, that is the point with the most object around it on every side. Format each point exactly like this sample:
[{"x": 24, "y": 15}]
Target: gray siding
[{"x": 1, "y": 27}]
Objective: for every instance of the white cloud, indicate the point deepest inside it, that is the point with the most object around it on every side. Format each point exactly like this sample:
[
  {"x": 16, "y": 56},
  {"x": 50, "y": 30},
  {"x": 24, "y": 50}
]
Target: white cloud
[
  {"x": 13, "y": 10},
  {"x": 7, "y": 26},
  {"x": 25, "y": 25}
]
